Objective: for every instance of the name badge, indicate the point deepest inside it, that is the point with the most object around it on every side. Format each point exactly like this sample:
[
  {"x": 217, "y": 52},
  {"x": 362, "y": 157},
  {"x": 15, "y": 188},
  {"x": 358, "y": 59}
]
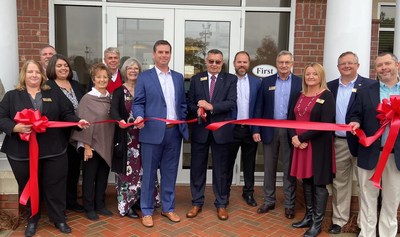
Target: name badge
[
  {"x": 47, "y": 99},
  {"x": 320, "y": 101},
  {"x": 203, "y": 78},
  {"x": 354, "y": 90},
  {"x": 271, "y": 88}
]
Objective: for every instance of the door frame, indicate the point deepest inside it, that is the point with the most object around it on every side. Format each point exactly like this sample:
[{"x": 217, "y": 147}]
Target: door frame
[{"x": 174, "y": 32}]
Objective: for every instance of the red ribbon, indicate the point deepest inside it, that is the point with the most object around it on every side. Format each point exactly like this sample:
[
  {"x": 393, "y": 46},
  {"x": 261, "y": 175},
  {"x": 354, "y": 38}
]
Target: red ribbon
[
  {"x": 39, "y": 124},
  {"x": 388, "y": 114}
]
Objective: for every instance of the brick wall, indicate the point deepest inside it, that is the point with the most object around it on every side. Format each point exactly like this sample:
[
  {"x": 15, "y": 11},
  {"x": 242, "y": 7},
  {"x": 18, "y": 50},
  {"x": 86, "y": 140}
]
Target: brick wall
[
  {"x": 9, "y": 202},
  {"x": 309, "y": 33},
  {"x": 33, "y": 28},
  {"x": 374, "y": 46}
]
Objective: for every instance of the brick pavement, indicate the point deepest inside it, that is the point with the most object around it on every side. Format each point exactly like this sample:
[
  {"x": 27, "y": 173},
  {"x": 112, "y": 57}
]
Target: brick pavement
[{"x": 243, "y": 220}]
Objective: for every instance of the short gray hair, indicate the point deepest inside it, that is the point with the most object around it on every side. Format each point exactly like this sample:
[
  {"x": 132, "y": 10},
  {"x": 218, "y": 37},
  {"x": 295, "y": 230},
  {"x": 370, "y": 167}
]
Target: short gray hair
[{"x": 129, "y": 62}]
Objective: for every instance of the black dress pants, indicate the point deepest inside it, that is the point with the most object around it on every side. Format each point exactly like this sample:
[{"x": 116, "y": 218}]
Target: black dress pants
[
  {"x": 52, "y": 180},
  {"x": 95, "y": 178}
]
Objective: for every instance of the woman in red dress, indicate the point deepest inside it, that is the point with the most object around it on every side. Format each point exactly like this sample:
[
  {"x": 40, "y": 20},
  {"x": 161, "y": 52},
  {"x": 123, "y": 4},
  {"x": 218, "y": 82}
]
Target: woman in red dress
[{"x": 313, "y": 154}]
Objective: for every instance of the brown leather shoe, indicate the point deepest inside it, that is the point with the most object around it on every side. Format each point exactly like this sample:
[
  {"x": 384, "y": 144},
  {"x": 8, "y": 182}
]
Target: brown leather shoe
[
  {"x": 172, "y": 216},
  {"x": 147, "y": 221},
  {"x": 222, "y": 213},
  {"x": 193, "y": 212}
]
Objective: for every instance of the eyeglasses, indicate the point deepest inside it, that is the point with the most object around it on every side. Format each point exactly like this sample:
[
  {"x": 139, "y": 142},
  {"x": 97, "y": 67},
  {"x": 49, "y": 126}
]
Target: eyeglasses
[
  {"x": 284, "y": 62},
  {"x": 217, "y": 62},
  {"x": 347, "y": 64}
]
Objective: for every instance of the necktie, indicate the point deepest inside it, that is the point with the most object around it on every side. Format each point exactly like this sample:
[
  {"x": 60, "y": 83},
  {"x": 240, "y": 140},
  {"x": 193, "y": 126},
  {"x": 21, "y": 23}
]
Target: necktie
[{"x": 212, "y": 86}]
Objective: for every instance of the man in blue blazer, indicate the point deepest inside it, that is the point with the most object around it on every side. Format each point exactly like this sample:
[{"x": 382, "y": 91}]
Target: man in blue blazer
[
  {"x": 247, "y": 89},
  {"x": 346, "y": 87},
  {"x": 274, "y": 99},
  {"x": 363, "y": 115},
  {"x": 160, "y": 93},
  {"x": 214, "y": 92}
]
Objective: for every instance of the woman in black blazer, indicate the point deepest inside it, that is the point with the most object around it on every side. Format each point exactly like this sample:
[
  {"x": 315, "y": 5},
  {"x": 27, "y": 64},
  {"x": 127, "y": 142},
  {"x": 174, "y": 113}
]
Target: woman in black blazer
[
  {"x": 59, "y": 75},
  {"x": 33, "y": 93},
  {"x": 312, "y": 159}
]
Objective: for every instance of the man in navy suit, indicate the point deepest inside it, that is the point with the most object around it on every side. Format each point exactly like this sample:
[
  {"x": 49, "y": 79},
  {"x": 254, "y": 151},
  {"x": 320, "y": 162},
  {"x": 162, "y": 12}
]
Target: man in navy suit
[
  {"x": 160, "y": 93},
  {"x": 274, "y": 99},
  {"x": 363, "y": 115},
  {"x": 247, "y": 89},
  {"x": 214, "y": 92},
  {"x": 344, "y": 90}
]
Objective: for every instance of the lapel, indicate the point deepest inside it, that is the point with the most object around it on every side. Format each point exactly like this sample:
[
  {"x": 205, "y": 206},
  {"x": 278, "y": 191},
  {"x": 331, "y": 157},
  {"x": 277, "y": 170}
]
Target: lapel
[
  {"x": 175, "y": 80},
  {"x": 26, "y": 100},
  {"x": 253, "y": 89},
  {"x": 334, "y": 88},
  {"x": 46, "y": 104},
  {"x": 374, "y": 95},
  {"x": 219, "y": 84},
  {"x": 204, "y": 85},
  {"x": 156, "y": 82},
  {"x": 357, "y": 84}
]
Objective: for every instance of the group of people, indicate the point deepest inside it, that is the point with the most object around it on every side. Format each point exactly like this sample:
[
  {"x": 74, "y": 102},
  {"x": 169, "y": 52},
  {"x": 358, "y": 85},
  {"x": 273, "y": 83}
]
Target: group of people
[{"x": 136, "y": 153}]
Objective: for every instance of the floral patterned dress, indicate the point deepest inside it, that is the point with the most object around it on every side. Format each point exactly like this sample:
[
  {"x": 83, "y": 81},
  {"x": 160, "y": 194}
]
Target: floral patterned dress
[{"x": 129, "y": 184}]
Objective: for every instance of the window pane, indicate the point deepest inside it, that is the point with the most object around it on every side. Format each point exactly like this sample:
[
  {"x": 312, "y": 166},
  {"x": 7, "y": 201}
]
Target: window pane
[
  {"x": 136, "y": 38},
  {"x": 269, "y": 3},
  {"x": 386, "y": 39},
  {"x": 201, "y": 36},
  {"x": 388, "y": 14},
  {"x": 78, "y": 37},
  {"x": 266, "y": 34}
]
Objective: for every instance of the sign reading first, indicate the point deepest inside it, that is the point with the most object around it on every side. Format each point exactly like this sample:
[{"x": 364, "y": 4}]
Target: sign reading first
[{"x": 264, "y": 70}]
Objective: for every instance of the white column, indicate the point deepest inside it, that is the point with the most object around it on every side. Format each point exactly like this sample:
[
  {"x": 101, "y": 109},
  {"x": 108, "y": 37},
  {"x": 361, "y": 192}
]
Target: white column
[
  {"x": 348, "y": 28},
  {"x": 396, "y": 42},
  {"x": 9, "y": 44}
]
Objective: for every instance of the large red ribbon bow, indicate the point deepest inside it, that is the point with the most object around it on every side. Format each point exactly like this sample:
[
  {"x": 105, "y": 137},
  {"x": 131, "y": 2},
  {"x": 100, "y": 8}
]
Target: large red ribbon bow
[
  {"x": 39, "y": 124},
  {"x": 388, "y": 115}
]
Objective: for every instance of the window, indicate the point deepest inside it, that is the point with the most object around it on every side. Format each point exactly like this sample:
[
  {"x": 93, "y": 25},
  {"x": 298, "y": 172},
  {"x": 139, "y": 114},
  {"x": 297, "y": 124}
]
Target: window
[
  {"x": 78, "y": 36},
  {"x": 387, "y": 13}
]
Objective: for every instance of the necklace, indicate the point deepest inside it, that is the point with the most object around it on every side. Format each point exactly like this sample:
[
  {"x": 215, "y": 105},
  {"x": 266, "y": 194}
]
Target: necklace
[{"x": 307, "y": 106}]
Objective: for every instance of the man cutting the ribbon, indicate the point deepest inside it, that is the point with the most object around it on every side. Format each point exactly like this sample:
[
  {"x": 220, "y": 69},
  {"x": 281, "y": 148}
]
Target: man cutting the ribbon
[{"x": 363, "y": 115}]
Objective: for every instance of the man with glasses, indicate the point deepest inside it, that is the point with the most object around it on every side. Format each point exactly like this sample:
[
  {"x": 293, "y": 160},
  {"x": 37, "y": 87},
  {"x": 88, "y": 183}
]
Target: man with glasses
[
  {"x": 274, "y": 99},
  {"x": 344, "y": 90},
  {"x": 212, "y": 97}
]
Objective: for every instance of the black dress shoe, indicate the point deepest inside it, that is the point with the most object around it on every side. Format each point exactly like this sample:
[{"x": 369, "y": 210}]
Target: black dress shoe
[
  {"x": 76, "y": 208},
  {"x": 63, "y": 227},
  {"x": 92, "y": 215},
  {"x": 249, "y": 200},
  {"x": 289, "y": 213},
  {"x": 264, "y": 208},
  {"x": 104, "y": 211},
  {"x": 132, "y": 214},
  {"x": 30, "y": 229},
  {"x": 335, "y": 229}
]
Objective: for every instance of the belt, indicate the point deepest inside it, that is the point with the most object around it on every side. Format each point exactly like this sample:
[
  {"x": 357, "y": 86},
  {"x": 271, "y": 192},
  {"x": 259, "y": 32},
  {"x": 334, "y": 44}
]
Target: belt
[
  {"x": 340, "y": 137},
  {"x": 242, "y": 126},
  {"x": 170, "y": 125}
]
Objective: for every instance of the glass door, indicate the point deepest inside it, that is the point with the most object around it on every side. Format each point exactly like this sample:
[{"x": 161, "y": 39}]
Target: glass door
[
  {"x": 191, "y": 33},
  {"x": 196, "y": 32},
  {"x": 135, "y": 30}
]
